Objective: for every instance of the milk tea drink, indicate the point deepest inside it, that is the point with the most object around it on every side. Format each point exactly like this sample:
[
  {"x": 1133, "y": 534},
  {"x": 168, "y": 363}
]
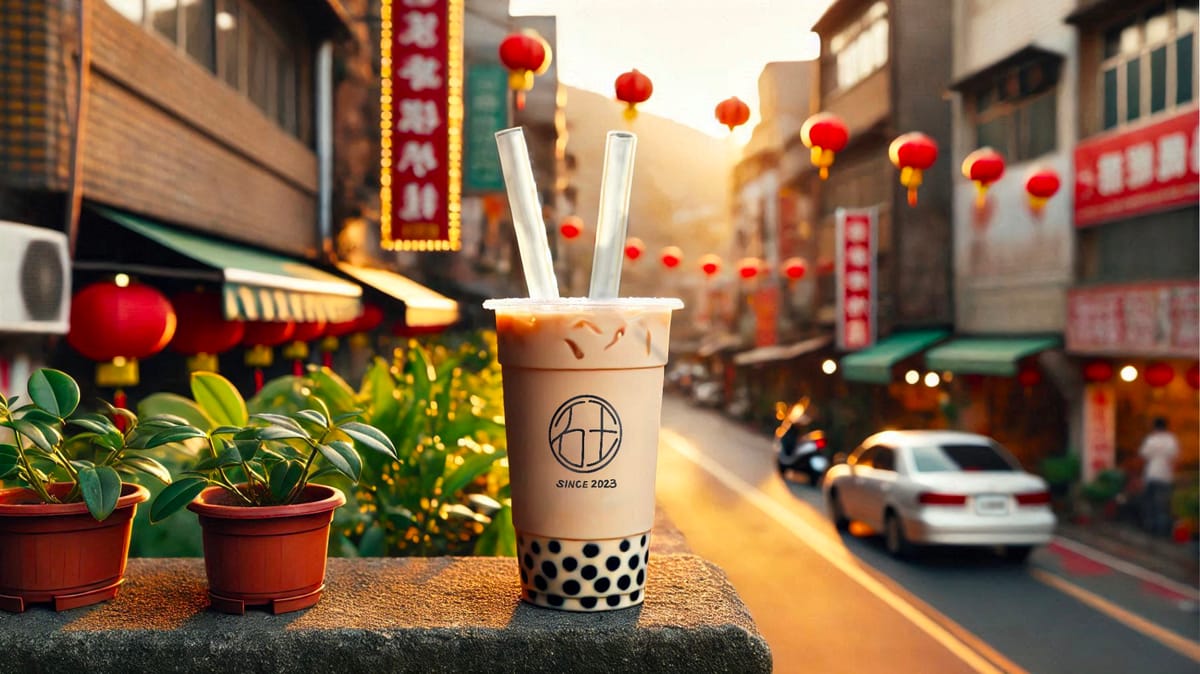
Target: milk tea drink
[{"x": 582, "y": 401}]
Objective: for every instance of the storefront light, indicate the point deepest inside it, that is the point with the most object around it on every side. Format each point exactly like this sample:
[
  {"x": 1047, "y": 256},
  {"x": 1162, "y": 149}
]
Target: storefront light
[
  {"x": 226, "y": 21},
  {"x": 829, "y": 366},
  {"x": 947, "y": 376},
  {"x": 122, "y": 280},
  {"x": 1129, "y": 373},
  {"x": 912, "y": 377},
  {"x": 932, "y": 379}
]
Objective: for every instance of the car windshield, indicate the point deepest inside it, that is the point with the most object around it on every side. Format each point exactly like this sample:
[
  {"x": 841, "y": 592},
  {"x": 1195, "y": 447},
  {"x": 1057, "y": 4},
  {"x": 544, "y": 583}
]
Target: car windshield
[{"x": 965, "y": 457}]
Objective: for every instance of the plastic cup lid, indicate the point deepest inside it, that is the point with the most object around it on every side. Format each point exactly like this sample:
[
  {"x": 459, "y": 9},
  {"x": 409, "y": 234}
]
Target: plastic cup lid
[{"x": 568, "y": 304}]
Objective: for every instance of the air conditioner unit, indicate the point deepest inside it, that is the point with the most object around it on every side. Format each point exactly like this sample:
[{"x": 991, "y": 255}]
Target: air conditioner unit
[{"x": 35, "y": 279}]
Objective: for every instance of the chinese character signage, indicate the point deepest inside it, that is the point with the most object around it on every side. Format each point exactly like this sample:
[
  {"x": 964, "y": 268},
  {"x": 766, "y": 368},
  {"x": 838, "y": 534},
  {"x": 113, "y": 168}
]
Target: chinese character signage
[
  {"x": 420, "y": 184},
  {"x": 1149, "y": 169},
  {"x": 1099, "y": 430},
  {"x": 765, "y": 304},
  {"x": 856, "y": 231},
  {"x": 1154, "y": 319},
  {"x": 487, "y": 113}
]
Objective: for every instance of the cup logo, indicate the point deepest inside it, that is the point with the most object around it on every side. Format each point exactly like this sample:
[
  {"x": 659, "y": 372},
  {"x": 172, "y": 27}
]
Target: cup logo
[{"x": 585, "y": 434}]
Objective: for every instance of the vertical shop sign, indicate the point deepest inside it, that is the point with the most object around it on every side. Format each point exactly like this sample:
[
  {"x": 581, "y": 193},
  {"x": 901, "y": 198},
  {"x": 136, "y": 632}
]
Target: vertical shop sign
[
  {"x": 856, "y": 272},
  {"x": 487, "y": 113},
  {"x": 765, "y": 303},
  {"x": 420, "y": 184},
  {"x": 1099, "y": 430}
]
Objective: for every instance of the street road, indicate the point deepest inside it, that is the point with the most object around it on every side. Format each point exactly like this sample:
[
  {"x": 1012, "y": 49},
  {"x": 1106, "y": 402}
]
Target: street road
[{"x": 838, "y": 603}]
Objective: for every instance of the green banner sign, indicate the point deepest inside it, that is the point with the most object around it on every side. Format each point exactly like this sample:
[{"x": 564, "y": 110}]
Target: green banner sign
[{"x": 486, "y": 113}]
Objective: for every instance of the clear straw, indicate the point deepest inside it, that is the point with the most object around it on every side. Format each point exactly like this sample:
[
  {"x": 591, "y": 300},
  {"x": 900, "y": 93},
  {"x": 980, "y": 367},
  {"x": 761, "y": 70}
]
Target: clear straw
[
  {"x": 526, "y": 214},
  {"x": 616, "y": 186}
]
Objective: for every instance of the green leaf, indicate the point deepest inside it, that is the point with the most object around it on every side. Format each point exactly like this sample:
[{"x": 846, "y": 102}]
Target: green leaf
[
  {"x": 157, "y": 404},
  {"x": 278, "y": 420},
  {"x": 498, "y": 538},
  {"x": 247, "y": 449},
  {"x": 281, "y": 433},
  {"x": 373, "y": 542},
  {"x": 474, "y": 465},
  {"x": 462, "y": 512},
  {"x": 332, "y": 390},
  {"x": 131, "y": 419},
  {"x": 54, "y": 391},
  {"x": 34, "y": 434},
  {"x": 219, "y": 398},
  {"x": 228, "y": 456},
  {"x": 165, "y": 419},
  {"x": 94, "y": 425},
  {"x": 49, "y": 431},
  {"x": 10, "y": 459},
  {"x": 341, "y": 455},
  {"x": 284, "y": 476},
  {"x": 41, "y": 416},
  {"x": 370, "y": 437},
  {"x": 314, "y": 417},
  {"x": 347, "y": 416},
  {"x": 100, "y": 487},
  {"x": 423, "y": 373},
  {"x": 227, "y": 430},
  {"x": 174, "y": 434},
  {"x": 175, "y": 496},
  {"x": 150, "y": 467},
  {"x": 379, "y": 386}
]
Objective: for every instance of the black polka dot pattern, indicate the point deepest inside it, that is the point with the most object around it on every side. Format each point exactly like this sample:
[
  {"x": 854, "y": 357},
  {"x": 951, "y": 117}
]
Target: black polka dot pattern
[{"x": 596, "y": 575}]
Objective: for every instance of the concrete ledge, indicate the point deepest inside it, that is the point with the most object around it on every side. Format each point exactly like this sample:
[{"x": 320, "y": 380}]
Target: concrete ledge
[{"x": 444, "y": 614}]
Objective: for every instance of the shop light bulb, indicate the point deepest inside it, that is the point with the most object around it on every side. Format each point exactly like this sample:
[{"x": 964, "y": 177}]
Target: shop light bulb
[
  {"x": 226, "y": 21},
  {"x": 1129, "y": 373},
  {"x": 122, "y": 280},
  {"x": 932, "y": 379},
  {"x": 947, "y": 376},
  {"x": 829, "y": 366},
  {"x": 912, "y": 377}
]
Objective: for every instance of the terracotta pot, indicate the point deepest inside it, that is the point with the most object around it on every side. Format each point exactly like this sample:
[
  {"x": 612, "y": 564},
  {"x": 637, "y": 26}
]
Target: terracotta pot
[
  {"x": 272, "y": 556},
  {"x": 58, "y": 552}
]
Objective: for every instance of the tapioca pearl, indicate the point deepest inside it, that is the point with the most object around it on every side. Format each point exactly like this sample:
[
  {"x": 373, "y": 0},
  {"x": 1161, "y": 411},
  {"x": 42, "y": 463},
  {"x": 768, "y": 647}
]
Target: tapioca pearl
[
  {"x": 588, "y": 572},
  {"x": 571, "y": 587},
  {"x": 623, "y": 582},
  {"x": 602, "y": 585},
  {"x": 524, "y": 576},
  {"x": 536, "y": 547},
  {"x": 555, "y": 547},
  {"x": 635, "y": 561},
  {"x": 588, "y": 602},
  {"x": 646, "y": 557},
  {"x": 591, "y": 550},
  {"x": 641, "y": 577},
  {"x": 540, "y": 582},
  {"x": 633, "y": 596},
  {"x": 528, "y": 559},
  {"x": 625, "y": 546},
  {"x": 644, "y": 538},
  {"x": 613, "y": 599},
  {"x": 612, "y": 563},
  {"x": 569, "y": 563},
  {"x": 549, "y": 569},
  {"x": 554, "y": 600},
  {"x": 531, "y": 594}
]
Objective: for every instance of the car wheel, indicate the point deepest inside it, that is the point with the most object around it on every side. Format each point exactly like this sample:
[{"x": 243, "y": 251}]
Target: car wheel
[
  {"x": 1017, "y": 554},
  {"x": 893, "y": 537},
  {"x": 840, "y": 521}
]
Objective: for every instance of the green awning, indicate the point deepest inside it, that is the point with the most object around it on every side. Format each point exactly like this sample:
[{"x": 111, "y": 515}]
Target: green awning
[
  {"x": 257, "y": 286},
  {"x": 423, "y": 308},
  {"x": 986, "y": 355},
  {"x": 874, "y": 364}
]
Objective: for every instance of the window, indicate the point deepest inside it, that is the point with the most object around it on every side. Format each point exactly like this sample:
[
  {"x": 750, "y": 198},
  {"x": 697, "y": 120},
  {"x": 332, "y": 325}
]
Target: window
[
  {"x": 969, "y": 458},
  {"x": 863, "y": 457},
  {"x": 862, "y": 48},
  {"x": 1016, "y": 111},
  {"x": 885, "y": 459},
  {"x": 1149, "y": 63}
]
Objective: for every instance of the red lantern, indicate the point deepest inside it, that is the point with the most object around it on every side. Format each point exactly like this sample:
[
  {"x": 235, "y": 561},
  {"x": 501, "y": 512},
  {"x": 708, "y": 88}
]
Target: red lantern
[
  {"x": 202, "y": 330},
  {"x": 297, "y": 350},
  {"x": 984, "y": 167},
  {"x": 1041, "y": 183},
  {"x": 524, "y": 54},
  {"x": 571, "y": 227},
  {"x": 671, "y": 256},
  {"x": 634, "y": 248},
  {"x": 632, "y": 88},
  {"x": 1159, "y": 375},
  {"x": 1029, "y": 376},
  {"x": 710, "y": 264},
  {"x": 732, "y": 112},
  {"x": 259, "y": 338},
  {"x": 1193, "y": 376},
  {"x": 369, "y": 319},
  {"x": 749, "y": 267},
  {"x": 824, "y": 266},
  {"x": 116, "y": 324},
  {"x": 794, "y": 268},
  {"x": 913, "y": 153},
  {"x": 824, "y": 134},
  {"x": 1098, "y": 371}
]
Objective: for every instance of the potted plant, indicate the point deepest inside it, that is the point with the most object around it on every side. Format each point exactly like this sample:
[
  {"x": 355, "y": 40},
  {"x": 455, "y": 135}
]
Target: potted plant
[
  {"x": 65, "y": 527},
  {"x": 265, "y": 523}
]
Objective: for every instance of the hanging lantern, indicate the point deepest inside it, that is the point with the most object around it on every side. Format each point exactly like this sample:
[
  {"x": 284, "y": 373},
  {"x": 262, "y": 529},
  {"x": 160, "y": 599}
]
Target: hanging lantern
[
  {"x": 633, "y": 88},
  {"x": 913, "y": 153},
  {"x": 1041, "y": 183},
  {"x": 824, "y": 134},
  {"x": 1193, "y": 376},
  {"x": 671, "y": 256},
  {"x": 749, "y": 267},
  {"x": 202, "y": 331},
  {"x": 984, "y": 167},
  {"x": 1029, "y": 376},
  {"x": 329, "y": 342},
  {"x": 732, "y": 112},
  {"x": 825, "y": 266},
  {"x": 1159, "y": 375},
  {"x": 370, "y": 318},
  {"x": 571, "y": 227},
  {"x": 634, "y": 248},
  {"x": 710, "y": 264},
  {"x": 525, "y": 54},
  {"x": 117, "y": 322},
  {"x": 297, "y": 349},
  {"x": 794, "y": 268},
  {"x": 259, "y": 339},
  {"x": 1098, "y": 371}
]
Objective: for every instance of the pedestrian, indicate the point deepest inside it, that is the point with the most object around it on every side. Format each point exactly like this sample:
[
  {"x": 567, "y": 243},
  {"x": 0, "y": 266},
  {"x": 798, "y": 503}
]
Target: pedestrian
[{"x": 1158, "y": 450}]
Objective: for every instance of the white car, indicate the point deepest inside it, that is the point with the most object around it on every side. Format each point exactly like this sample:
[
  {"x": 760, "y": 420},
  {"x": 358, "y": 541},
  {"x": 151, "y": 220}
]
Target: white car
[{"x": 940, "y": 488}]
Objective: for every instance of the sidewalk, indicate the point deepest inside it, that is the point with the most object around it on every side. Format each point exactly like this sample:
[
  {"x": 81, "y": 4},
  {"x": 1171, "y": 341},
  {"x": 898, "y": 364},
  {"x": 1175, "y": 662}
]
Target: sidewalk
[{"x": 1179, "y": 562}]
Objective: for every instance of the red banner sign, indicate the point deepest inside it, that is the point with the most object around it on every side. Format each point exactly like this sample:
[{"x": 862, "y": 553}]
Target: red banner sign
[
  {"x": 1145, "y": 170},
  {"x": 420, "y": 184},
  {"x": 1099, "y": 430},
  {"x": 1158, "y": 319},
  {"x": 856, "y": 232}
]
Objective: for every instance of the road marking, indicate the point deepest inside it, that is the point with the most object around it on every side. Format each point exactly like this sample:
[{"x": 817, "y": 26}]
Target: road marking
[
  {"x": 837, "y": 555},
  {"x": 1128, "y": 569},
  {"x": 1166, "y": 637}
]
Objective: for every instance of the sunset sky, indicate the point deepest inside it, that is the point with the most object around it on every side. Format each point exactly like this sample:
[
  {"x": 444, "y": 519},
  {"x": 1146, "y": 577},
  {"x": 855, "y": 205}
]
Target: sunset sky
[{"x": 696, "y": 52}]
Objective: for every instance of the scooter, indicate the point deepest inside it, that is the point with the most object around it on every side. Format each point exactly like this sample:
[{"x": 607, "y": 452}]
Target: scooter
[{"x": 800, "y": 452}]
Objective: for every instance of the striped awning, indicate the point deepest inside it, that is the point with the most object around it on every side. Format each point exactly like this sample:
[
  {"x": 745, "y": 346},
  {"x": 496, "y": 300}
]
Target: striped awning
[
  {"x": 256, "y": 285},
  {"x": 423, "y": 308}
]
